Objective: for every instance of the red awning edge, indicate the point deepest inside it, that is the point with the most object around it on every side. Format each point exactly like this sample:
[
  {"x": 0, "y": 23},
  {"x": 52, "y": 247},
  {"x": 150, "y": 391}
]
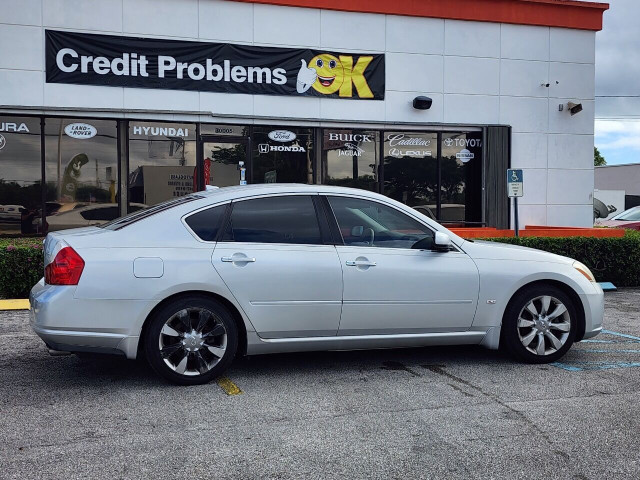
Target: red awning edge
[{"x": 548, "y": 13}]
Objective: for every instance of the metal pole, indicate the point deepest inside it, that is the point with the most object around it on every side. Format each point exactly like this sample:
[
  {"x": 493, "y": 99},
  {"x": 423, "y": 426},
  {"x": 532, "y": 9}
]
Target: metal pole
[{"x": 515, "y": 215}]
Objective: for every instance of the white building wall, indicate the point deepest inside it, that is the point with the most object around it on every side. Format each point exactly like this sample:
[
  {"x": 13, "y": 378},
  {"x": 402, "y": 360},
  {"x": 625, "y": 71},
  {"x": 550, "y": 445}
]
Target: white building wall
[{"x": 476, "y": 73}]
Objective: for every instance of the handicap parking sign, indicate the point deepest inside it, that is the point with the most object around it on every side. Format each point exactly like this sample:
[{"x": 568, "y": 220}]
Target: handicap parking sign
[{"x": 515, "y": 182}]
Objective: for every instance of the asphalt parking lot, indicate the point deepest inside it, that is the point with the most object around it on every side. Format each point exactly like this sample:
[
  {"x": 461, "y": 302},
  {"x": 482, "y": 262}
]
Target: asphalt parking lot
[{"x": 413, "y": 413}]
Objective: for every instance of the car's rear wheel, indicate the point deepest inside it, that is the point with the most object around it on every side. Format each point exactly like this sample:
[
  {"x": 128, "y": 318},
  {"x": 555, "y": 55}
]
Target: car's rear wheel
[
  {"x": 191, "y": 340},
  {"x": 539, "y": 324}
]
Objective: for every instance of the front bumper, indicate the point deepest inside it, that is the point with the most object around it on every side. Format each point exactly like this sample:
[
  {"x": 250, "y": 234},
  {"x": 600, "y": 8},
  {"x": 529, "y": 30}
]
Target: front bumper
[
  {"x": 593, "y": 305},
  {"x": 69, "y": 324}
]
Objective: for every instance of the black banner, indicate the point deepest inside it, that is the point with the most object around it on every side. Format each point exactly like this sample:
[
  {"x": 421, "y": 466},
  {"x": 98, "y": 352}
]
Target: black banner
[{"x": 108, "y": 60}]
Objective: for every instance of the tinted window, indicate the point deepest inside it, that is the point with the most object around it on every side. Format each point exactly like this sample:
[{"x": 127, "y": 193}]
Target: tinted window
[
  {"x": 101, "y": 213},
  {"x": 205, "y": 224},
  {"x": 289, "y": 219},
  {"x": 287, "y": 159},
  {"x": 162, "y": 161},
  {"x": 372, "y": 224},
  {"x": 20, "y": 176},
  {"x": 138, "y": 213},
  {"x": 350, "y": 158},
  {"x": 81, "y": 167}
]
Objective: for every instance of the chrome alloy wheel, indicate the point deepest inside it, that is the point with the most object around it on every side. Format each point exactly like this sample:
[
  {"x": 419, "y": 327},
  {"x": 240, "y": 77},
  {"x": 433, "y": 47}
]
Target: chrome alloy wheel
[
  {"x": 544, "y": 325},
  {"x": 193, "y": 341}
]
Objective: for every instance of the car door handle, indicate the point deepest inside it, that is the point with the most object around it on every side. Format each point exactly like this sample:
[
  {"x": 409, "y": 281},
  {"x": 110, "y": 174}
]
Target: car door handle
[
  {"x": 238, "y": 259},
  {"x": 360, "y": 263}
]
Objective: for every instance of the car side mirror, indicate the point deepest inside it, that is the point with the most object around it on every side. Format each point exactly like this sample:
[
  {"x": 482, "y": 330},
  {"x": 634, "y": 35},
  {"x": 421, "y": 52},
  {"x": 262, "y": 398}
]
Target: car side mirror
[
  {"x": 357, "y": 231},
  {"x": 442, "y": 242}
]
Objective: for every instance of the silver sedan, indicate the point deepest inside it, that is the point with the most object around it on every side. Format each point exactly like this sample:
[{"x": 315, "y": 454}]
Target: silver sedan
[{"x": 195, "y": 281}]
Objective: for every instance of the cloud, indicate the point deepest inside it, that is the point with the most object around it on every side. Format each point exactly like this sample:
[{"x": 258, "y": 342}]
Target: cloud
[{"x": 618, "y": 73}]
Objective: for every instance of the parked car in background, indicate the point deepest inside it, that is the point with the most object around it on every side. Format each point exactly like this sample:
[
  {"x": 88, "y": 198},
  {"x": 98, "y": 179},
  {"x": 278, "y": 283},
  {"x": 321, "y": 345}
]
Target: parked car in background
[
  {"x": 628, "y": 219},
  {"x": 10, "y": 213}
]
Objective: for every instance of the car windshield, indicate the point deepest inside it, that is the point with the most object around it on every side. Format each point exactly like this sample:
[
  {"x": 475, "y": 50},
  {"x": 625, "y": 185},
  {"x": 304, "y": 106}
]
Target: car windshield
[
  {"x": 133, "y": 217},
  {"x": 633, "y": 214}
]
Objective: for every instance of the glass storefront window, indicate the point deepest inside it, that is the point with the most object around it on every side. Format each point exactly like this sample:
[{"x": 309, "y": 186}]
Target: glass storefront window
[
  {"x": 81, "y": 172},
  {"x": 20, "y": 176},
  {"x": 350, "y": 158},
  {"x": 461, "y": 178},
  {"x": 282, "y": 155},
  {"x": 162, "y": 162},
  {"x": 411, "y": 169}
]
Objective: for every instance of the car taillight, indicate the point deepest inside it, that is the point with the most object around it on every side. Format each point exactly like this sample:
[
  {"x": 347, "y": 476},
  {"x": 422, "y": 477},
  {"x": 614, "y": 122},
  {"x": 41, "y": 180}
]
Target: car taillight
[{"x": 65, "y": 269}]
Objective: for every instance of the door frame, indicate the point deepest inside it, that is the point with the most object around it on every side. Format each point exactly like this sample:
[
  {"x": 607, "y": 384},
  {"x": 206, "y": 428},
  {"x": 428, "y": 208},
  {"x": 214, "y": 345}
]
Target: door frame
[{"x": 202, "y": 139}]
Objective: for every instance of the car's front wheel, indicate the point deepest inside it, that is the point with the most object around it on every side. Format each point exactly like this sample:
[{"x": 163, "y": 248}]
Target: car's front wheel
[
  {"x": 191, "y": 340},
  {"x": 539, "y": 324}
]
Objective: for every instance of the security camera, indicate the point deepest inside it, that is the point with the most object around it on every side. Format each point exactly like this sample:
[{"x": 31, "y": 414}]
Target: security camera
[
  {"x": 422, "y": 103},
  {"x": 574, "y": 108}
]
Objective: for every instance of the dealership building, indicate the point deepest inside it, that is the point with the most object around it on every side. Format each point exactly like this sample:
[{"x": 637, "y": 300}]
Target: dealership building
[{"x": 107, "y": 106}]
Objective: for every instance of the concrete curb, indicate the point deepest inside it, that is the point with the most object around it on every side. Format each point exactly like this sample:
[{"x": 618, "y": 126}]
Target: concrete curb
[{"x": 14, "y": 304}]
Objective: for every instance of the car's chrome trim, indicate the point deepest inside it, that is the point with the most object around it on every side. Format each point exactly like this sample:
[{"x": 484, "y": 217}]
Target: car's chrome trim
[{"x": 295, "y": 302}]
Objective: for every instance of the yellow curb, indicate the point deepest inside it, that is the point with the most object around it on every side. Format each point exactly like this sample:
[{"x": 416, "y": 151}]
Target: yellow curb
[
  {"x": 17, "y": 304},
  {"x": 228, "y": 386}
]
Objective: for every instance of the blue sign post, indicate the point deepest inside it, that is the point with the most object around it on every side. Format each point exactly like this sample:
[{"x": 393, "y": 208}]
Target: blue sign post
[{"x": 515, "y": 189}]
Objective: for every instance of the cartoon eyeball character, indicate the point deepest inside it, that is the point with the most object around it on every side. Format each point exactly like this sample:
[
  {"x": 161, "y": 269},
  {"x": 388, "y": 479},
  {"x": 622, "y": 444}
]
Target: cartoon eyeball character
[{"x": 330, "y": 73}]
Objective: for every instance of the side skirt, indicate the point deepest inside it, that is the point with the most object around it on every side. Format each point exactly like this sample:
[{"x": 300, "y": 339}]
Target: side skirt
[{"x": 258, "y": 346}]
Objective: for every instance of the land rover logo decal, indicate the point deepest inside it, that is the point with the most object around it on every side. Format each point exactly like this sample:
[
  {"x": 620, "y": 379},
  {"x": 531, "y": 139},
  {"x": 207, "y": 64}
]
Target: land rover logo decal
[
  {"x": 80, "y": 130},
  {"x": 118, "y": 61},
  {"x": 282, "y": 136}
]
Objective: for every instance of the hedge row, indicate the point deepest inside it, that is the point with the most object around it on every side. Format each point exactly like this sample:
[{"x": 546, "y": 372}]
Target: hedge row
[
  {"x": 21, "y": 266},
  {"x": 614, "y": 260}
]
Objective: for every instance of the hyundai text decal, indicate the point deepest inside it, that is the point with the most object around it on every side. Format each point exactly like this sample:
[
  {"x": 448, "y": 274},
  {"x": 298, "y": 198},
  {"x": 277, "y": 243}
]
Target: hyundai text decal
[{"x": 109, "y": 60}]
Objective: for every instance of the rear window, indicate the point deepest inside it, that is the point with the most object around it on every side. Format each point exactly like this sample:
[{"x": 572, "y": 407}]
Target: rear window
[
  {"x": 122, "y": 222},
  {"x": 206, "y": 223}
]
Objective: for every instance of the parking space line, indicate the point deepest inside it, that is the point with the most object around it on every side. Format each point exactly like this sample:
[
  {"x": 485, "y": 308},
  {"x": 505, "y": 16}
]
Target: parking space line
[
  {"x": 16, "y": 304},
  {"x": 623, "y": 338},
  {"x": 618, "y": 334},
  {"x": 228, "y": 386},
  {"x": 582, "y": 366}
]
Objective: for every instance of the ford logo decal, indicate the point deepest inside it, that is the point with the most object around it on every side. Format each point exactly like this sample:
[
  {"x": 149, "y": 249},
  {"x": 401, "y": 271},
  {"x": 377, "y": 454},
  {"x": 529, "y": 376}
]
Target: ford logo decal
[
  {"x": 80, "y": 130},
  {"x": 282, "y": 136}
]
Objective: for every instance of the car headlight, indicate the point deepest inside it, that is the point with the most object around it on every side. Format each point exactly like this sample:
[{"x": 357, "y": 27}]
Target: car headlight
[{"x": 584, "y": 270}]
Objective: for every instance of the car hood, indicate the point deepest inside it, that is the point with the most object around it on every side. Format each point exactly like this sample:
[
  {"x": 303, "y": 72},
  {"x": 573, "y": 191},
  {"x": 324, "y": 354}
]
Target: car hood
[
  {"x": 621, "y": 223},
  {"x": 503, "y": 251}
]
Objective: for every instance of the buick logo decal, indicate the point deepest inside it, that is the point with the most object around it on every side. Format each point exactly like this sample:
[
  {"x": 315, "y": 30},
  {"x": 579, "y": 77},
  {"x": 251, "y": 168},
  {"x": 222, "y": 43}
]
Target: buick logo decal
[{"x": 3, "y": 142}]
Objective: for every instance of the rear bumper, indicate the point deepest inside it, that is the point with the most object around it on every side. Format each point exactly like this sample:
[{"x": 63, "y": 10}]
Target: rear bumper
[{"x": 65, "y": 323}]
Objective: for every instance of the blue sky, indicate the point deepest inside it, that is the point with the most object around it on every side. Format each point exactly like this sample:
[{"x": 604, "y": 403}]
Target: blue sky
[{"x": 617, "y": 127}]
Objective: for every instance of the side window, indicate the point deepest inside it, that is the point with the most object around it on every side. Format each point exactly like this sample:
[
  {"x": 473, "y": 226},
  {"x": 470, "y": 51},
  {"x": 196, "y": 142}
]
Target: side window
[
  {"x": 372, "y": 224},
  {"x": 286, "y": 219},
  {"x": 206, "y": 223}
]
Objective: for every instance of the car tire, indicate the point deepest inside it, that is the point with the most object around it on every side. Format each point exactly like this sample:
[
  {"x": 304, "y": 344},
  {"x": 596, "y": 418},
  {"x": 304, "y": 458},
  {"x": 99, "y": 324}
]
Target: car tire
[
  {"x": 191, "y": 340},
  {"x": 539, "y": 324}
]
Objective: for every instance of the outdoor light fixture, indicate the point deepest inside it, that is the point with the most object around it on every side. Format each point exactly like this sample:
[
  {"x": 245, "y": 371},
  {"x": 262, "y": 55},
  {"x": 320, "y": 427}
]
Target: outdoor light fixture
[
  {"x": 422, "y": 103},
  {"x": 574, "y": 108}
]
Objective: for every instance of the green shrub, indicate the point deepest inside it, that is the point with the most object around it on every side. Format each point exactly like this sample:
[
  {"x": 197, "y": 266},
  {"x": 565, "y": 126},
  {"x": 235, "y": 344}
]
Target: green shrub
[
  {"x": 615, "y": 260},
  {"x": 21, "y": 266}
]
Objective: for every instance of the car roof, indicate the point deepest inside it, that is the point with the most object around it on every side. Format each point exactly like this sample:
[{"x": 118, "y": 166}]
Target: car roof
[{"x": 238, "y": 191}]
